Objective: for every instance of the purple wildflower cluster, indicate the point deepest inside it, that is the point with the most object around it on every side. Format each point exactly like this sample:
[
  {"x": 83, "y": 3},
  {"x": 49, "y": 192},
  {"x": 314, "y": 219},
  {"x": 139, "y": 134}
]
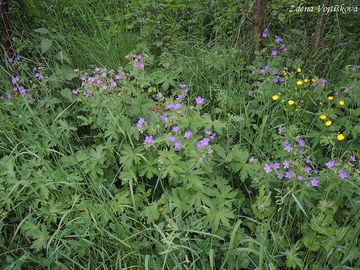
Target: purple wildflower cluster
[
  {"x": 288, "y": 169},
  {"x": 13, "y": 60},
  {"x": 305, "y": 171},
  {"x": 17, "y": 87},
  {"x": 184, "y": 93},
  {"x": 141, "y": 125},
  {"x": 175, "y": 136},
  {"x": 278, "y": 41},
  {"x": 37, "y": 73},
  {"x": 100, "y": 80}
]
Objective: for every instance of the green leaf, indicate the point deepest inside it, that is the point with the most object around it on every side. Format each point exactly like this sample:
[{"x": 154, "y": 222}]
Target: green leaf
[
  {"x": 41, "y": 30},
  {"x": 63, "y": 57},
  {"x": 151, "y": 212},
  {"x": 45, "y": 45},
  {"x": 69, "y": 74}
]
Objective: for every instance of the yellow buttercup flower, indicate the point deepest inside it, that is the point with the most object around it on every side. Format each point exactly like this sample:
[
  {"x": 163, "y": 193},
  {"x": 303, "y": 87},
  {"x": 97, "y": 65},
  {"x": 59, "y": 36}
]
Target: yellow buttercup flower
[
  {"x": 341, "y": 102},
  {"x": 284, "y": 72},
  {"x": 298, "y": 69},
  {"x": 300, "y": 82},
  {"x": 291, "y": 102},
  {"x": 323, "y": 116},
  {"x": 340, "y": 137},
  {"x": 314, "y": 80},
  {"x": 306, "y": 80},
  {"x": 330, "y": 98},
  {"x": 275, "y": 97},
  {"x": 328, "y": 123}
]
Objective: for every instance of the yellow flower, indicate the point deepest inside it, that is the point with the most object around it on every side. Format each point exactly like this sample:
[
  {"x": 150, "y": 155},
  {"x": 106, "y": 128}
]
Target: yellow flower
[
  {"x": 275, "y": 97},
  {"x": 323, "y": 116},
  {"x": 306, "y": 80},
  {"x": 340, "y": 137},
  {"x": 299, "y": 82},
  {"x": 314, "y": 80},
  {"x": 341, "y": 102},
  {"x": 298, "y": 69},
  {"x": 291, "y": 102},
  {"x": 330, "y": 98},
  {"x": 328, "y": 123},
  {"x": 284, "y": 72}
]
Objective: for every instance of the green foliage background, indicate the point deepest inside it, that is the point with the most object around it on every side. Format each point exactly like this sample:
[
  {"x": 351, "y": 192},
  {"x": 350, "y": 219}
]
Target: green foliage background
[{"x": 78, "y": 190}]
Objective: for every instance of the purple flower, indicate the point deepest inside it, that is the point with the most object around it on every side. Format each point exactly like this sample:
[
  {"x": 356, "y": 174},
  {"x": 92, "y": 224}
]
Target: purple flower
[
  {"x": 140, "y": 124},
  {"x": 117, "y": 77},
  {"x": 330, "y": 164},
  {"x": 287, "y": 146},
  {"x": 352, "y": 159},
  {"x": 22, "y": 90},
  {"x": 265, "y": 32},
  {"x": 314, "y": 83},
  {"x": 307, "y": 169},
  {"x": 187, "y": 134},
  {"x": 300, "y": 177},
  {"x": 210, "y": 134},
  {"x": 280, "y": 176},
  {"x": 315, "y": 182},
  {"x": 182, "y": 85},
  {"x": 286, "y": 164},
  {"x": 177, "y": 145},
  {"x": 139, "y": 65},
  {"x": 343, "y": 174},
  {"x": 39, "y": 76},
  {"x": 276, "y": 165},
  {"x": 276, "y": 79},
  {"x": 308, "y": 161},
  {"x": 75, "y": 91},
  {"x": 267, "y": 168},
  {"x": 289, "y": 175},
  {"x": 264, "y": 69},
  {"x": 172, "y": 139},
  {"x": 274, "y": 53},
  {"x": 164, "y": 118},
  {"x": 104, "y": 86},
  {"x": 281, "y": 130},
  {"x": 253, "y": 72},
  {"x": 175, "y": 129},
  {"x": 199, "y": 100},
  {"x": 113, "y": 84},
  {"x": 86, "y": 94},
  {"x": 148, "y": 140},
  {"x": 181, "y": 97},
  {"x": 284, "y": 48},
  {"x": 323, "y": 83},
  {"x": 103, "y": 74},
  {"x": 301, "y": 142},
  {"x": 15, "y": 79},
  {"x": 278, "y": 39},
  {"x": 203, "y": 143},
  {"x": 172, "y": 106}
]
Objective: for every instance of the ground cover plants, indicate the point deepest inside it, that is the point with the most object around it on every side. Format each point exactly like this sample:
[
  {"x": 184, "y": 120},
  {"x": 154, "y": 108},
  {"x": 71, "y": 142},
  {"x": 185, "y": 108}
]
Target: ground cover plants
[{"x": 175, "y": 158}]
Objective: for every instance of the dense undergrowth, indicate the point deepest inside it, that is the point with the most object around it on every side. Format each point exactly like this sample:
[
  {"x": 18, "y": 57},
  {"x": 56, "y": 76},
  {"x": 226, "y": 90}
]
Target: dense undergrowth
[{"x": 159, "y": 154}]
